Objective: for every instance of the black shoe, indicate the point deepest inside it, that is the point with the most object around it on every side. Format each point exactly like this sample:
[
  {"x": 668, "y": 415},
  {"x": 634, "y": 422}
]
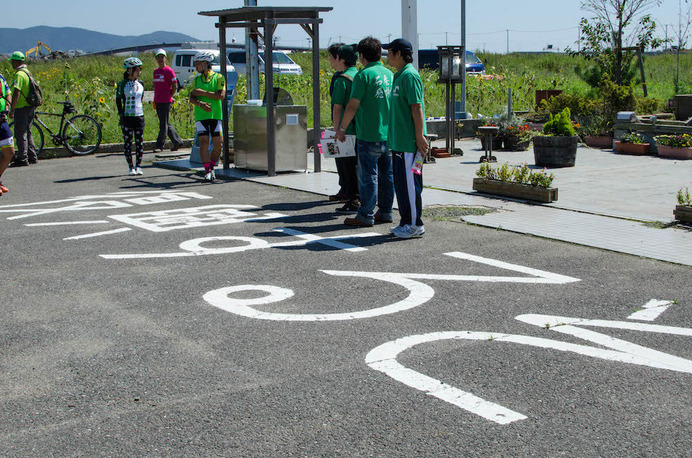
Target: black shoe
[
  {"x": 33, "y": 161},
  {"x": 176, "y": 146},
  {"x": 348, "y": 209},
  {"x": 339, "y": 197},
  {"x": 19, "y": 164}
]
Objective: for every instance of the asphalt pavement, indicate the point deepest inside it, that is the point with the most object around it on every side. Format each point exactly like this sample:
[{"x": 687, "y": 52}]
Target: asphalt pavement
[{"x": 159, "y": 315}]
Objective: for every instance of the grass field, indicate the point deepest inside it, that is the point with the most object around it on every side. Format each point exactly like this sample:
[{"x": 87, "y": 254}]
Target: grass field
[{"x": 90, "y": 83}]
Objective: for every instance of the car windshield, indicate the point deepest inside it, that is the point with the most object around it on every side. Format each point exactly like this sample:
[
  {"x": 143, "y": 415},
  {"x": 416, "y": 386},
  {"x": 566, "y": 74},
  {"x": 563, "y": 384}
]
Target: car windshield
[
  {"x": 278, "y": 58},
  {"x": 471, "y": 58}
]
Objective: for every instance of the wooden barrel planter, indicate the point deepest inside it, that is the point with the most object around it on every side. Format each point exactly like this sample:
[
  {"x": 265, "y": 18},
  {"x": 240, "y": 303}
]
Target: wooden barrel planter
[
  {"x": 513, "y": 144},
  {"x": 683, "y": 213},
  {"x": 555, "y": 151},
  {"x": 516, "y": 190}
]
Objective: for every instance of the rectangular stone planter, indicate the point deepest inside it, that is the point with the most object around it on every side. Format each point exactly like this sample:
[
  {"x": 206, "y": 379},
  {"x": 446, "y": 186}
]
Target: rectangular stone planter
[
  {"x": 674, "y": 153},
  {"x": 683, "y": 213},
  {"x": 635, "y": 149},
  {"x": 516, "y": 190}
]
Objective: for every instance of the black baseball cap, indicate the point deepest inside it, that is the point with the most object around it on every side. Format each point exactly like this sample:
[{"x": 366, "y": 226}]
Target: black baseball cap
[{"x": 400, "y": 45}]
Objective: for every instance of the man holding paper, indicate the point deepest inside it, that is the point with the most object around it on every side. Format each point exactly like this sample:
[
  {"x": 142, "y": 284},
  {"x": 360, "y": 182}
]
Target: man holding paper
[{"x": 345, "y": 63}]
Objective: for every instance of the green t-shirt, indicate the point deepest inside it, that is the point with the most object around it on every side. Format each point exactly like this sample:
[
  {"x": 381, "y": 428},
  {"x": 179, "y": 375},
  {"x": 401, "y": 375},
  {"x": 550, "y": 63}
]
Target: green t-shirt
[
  {"x": 4, "y": 91},
  {"x": 213, "y": 82},
  {"x": 372, "y": 86},
  {"x": 21, "y": 82},
  {"x": 341, "y": 94},
  {"x": 407, "y": 89}
]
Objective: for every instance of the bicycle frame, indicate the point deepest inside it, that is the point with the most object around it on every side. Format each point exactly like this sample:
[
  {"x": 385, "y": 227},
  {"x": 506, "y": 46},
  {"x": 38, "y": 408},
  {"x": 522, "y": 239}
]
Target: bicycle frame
[{"x": 57, "y": 137}]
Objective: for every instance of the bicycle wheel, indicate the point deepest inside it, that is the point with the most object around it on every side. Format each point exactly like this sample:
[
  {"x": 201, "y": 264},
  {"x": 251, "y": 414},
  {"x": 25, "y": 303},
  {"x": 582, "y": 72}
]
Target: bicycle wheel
[
  {"x": 82, "y": 135},
  {"x": 36, "y": 135}
]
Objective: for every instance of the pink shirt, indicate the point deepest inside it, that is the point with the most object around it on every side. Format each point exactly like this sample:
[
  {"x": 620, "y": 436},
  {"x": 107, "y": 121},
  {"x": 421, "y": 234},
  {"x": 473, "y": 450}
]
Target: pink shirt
[{"x": 164, "y": 79}]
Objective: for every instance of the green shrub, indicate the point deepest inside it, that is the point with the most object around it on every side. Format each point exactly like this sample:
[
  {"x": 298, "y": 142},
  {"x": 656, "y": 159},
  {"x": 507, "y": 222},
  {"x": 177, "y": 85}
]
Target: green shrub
[{"x": 560, "y": 124}]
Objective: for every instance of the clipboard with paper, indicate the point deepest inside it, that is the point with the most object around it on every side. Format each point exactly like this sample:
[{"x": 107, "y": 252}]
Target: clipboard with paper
[{"x": 331, "y": 147}]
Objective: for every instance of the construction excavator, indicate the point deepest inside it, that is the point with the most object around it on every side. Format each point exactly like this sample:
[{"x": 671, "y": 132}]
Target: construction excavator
[{"x": 37, "y": 50}]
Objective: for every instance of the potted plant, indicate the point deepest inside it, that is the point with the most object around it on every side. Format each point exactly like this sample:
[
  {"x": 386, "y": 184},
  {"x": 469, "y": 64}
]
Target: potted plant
[
  {"x": 674, "y": 146},
  {"x": 516, "y": 135},
  {"x": 597, "y": 132},
  {"x": 632, "y": 143},
  {"x": 557, "y": 147},
  {"x": 520, "y": 182},
  {"x": 683, "y": 211}
]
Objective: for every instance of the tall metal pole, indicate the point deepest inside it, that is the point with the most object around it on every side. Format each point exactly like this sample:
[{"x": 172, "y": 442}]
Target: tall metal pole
[
  {"x": 463, "y": 57},
  {"x": 316, "y": 117},
  {"x": 409, "y": 25},
  {"x": 226, "y": 114},
  {"x": 252, "y": 59}
]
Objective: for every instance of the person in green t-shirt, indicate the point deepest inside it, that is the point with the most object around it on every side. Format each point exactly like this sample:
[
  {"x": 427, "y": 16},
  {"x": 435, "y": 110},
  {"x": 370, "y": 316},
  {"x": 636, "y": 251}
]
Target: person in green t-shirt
[
  {"x": 22, "y": 113},
  {"x": 6, "y": 140},
  {"x": 407, "y": 139},
  {"x": 207, "y": 96},
  {"x": 369, "y": 105},
  {"x": 345, "y": 64}
]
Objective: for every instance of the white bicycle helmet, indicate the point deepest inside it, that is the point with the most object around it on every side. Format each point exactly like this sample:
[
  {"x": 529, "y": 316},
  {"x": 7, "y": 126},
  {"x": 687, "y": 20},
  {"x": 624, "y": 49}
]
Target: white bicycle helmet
[
  {"x": 204, "y": 56},
  {"x": 132, "y": 62}
]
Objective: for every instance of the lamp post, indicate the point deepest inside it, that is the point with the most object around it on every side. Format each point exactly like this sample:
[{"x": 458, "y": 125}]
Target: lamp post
[{"x": 452, "y": 71}]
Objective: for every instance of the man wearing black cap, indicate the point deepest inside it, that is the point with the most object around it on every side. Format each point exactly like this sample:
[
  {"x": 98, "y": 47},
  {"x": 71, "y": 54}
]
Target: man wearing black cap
[{"x": 407, "y": 139}]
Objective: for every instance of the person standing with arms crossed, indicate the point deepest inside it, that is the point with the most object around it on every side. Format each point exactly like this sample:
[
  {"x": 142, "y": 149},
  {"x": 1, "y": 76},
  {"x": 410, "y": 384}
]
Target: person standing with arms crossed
[
  {"x": 165, "y": 86},
  {"x": 369, "y": 105},
  {"x": 407, "y": 139},
  {"x": 23, "y": 113},
  {"x": 207, "y": 96}
]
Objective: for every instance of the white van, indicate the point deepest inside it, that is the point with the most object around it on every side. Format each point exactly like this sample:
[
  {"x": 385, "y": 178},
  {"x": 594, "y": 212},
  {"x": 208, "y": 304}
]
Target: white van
[
  {"x": 282, "y": 63},
  {"x": 184, "y": 65}
]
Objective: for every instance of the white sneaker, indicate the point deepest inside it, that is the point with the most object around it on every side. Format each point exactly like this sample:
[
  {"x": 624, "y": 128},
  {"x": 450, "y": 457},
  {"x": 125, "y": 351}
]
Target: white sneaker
[
  {"x": 210, "y": 176},
  {"x": 394, "y": 229},
  {"x": 138, "y": 171},
  {"x": 133, "y": 171},
  {"x": 409, "y": 231}
]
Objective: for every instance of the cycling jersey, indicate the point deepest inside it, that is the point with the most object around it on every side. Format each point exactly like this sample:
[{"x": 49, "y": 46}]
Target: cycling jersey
[{"x": 130, "y": 93}]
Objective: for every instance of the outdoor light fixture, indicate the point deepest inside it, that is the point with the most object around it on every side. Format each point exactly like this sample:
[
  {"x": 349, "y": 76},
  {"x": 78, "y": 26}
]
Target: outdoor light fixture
[{"x": 451, "y": 66}]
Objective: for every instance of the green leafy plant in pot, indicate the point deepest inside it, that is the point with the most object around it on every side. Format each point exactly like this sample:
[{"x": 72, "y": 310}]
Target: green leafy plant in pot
[{"x": 557, "y": 147}]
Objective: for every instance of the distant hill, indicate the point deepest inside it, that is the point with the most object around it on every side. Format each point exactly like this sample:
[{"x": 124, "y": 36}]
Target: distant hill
[{"x": 71, "y": 38}]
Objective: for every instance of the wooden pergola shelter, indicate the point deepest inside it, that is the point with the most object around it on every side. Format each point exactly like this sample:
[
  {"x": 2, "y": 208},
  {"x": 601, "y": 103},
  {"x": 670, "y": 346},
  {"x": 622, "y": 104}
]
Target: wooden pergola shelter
[{"x": 253, "y": 18}]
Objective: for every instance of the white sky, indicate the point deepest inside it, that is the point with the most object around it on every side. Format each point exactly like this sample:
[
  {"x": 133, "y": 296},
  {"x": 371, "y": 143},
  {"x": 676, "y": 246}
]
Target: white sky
[{"x": 493, "y": 25}]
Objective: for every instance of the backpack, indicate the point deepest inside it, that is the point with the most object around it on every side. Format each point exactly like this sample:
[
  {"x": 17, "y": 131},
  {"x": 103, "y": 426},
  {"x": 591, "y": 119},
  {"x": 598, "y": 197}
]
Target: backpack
[{"x": 35, "y": 96}]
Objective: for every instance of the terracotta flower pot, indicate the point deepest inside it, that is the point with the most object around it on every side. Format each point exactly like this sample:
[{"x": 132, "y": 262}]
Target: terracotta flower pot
[
  {"x": 556, "y": 151},
  {"x": 674, "y": 153},
  {"x": 601, "y": 142},
  {"x": 636, "y": 149}
]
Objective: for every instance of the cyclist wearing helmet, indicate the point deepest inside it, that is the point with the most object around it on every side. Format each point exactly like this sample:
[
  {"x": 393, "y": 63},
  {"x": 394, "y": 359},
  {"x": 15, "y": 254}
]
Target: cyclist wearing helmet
[
  {"x": 128, "y": 98},
  {"x": 6, "y": 141},
  {"x": 209, "y": 90}
]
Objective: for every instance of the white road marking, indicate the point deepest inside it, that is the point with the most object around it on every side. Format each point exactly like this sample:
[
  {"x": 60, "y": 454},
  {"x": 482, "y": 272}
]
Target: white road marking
[
  {"x": 419, "y": 293},
  {"x": 652, "y": 310},
  {"x": 194, "y": 217},
  {"x": 383, "y": 358},
  {"x": 98, "y": 234},
  {"x": 194, "y": 247},
  {"x": 68, "y": 223}
]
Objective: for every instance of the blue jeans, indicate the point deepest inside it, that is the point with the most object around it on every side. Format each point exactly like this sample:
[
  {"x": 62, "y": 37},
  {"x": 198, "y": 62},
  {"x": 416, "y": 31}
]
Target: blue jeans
[{"x": 375, "y": 181}]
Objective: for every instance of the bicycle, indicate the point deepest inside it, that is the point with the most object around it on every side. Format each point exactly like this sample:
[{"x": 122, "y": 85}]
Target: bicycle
[{"x": 80, "y": 134}]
